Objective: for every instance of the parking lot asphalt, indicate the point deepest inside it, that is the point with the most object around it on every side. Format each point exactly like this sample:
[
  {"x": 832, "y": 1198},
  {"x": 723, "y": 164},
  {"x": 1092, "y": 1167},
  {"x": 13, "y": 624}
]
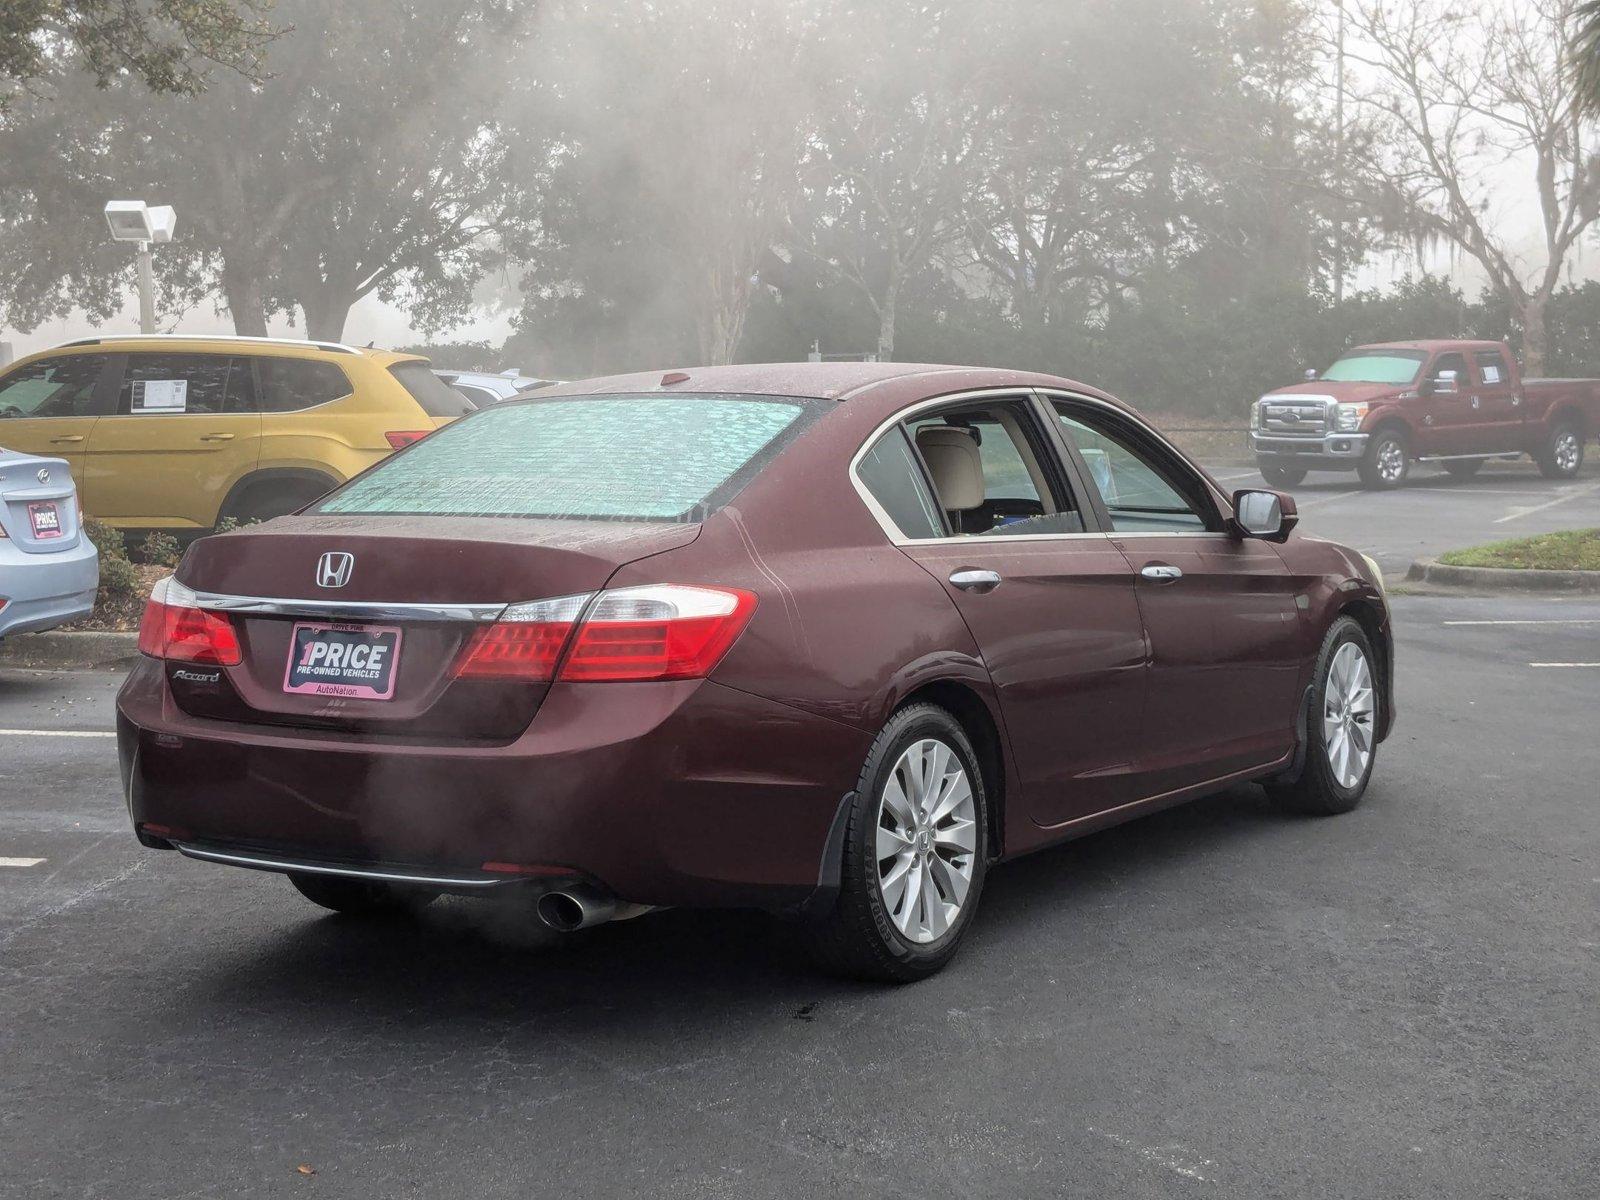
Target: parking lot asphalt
[{"x": 1215, "y": 1001}]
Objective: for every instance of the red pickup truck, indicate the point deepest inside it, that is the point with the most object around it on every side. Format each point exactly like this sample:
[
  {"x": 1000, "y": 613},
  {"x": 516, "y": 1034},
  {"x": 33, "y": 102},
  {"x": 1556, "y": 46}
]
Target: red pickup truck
[{"x": 1380, "y": 408}]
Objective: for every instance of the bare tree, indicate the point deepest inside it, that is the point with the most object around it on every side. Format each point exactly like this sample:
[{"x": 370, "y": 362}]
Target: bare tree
[{"x": 1465, "y": 99}]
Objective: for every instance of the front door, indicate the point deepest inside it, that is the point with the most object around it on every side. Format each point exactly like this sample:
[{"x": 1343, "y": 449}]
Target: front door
[
  {"x": 1049, "y": 602},
  {"x": 186, "y": 428},
  {"x": 1449, "y": 420},
  {"x": 1219, "y": 610},
  {"x": 49, "y": 406}
]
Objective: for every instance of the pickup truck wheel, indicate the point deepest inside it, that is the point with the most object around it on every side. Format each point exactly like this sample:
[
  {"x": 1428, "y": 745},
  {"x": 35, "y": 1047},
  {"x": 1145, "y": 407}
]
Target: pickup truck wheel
[
  {"x": 1463, "y": 468},
  {"x": 361, "y": 897},
  {"x": 1387, "y": 461},
  {"x": 1280, "y": 476},
  {"x": 1562, "y": 454},
  {"x": 1341, "y": 731}
]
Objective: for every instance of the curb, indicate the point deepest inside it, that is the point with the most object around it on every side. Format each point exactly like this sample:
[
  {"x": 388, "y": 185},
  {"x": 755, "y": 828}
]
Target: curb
[
  {"x": 69, "y": 651},
  {"x": 1431, "y": 570}
]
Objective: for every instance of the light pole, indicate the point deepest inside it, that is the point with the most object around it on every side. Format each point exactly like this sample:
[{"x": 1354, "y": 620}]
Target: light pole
[
  {"x": 1338, "y": 166},
  {"x": 136, "y": 221}
]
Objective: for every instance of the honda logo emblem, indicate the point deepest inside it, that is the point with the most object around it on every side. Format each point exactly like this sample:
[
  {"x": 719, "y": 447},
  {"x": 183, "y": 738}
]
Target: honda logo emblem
[{"x": 334, "y": 567}]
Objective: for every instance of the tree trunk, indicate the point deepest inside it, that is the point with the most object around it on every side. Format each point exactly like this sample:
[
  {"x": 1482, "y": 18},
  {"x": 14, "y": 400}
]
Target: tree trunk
[
  {"x": 326, "y": 310},
  {"x": 886, "y": 315},
  {"x": 241, "y": 291},
  {"x": 1535, "y": 343}
]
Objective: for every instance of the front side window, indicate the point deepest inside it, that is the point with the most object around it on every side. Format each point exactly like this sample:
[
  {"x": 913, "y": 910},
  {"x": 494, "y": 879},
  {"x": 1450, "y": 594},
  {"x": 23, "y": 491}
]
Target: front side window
[
  {"x": 895, "y": 480},
  {"x": 645, "y": 458},
  {"x": 1450, "y": 362},
  {"x": 52, "y": 387},
  {"x": 175, "y": 384},
  {"x": 292, "y": 384},
  {"x": 1369, "y": 366},
  {"x": 1142, "y": 492}
]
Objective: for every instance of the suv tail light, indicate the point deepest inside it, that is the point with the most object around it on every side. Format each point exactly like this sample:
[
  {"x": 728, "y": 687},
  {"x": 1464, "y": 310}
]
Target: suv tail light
[
  {"x": 662, "y": 631},
  {"x": 399, "y": 439},
  {"x": 175, "y": 628}
]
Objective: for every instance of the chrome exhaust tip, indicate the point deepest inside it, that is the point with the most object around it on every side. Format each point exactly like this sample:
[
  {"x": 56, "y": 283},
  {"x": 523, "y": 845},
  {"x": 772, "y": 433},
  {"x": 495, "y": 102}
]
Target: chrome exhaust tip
[{"x": 576, "y": 908}]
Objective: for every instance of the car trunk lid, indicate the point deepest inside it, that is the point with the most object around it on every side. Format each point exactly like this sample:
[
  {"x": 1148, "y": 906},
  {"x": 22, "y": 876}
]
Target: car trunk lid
[{"x": 38, "y": 503}]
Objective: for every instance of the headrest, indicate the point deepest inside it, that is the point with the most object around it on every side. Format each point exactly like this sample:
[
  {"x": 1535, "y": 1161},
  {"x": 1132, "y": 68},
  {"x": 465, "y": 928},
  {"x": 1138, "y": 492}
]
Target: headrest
[{"x": 952, "y": 457}]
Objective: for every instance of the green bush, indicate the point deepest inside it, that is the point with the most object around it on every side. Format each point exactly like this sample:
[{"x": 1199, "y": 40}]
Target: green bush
[
  {"x": 160, "y": 549},
  {"x": 109, "y": 541},
  {"x": 119, "y": 584}
]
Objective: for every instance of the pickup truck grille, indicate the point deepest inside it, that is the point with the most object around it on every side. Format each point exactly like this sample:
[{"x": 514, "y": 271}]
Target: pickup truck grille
[{"x": 1294, "y": 418}]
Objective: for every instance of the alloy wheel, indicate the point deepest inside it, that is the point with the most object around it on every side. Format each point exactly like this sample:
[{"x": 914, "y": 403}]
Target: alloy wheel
[
  {"x": 1391, "y": 461},
  {"x": 926, "y": 838},
  {"x": 1566, "y": 451},
  {"x": 1348, "y": 709}
]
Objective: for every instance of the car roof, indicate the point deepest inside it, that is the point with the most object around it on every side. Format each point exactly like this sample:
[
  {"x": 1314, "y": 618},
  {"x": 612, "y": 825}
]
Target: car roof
[
  {"x": 226, "y": 344},
  {"x": 844, "y": 381},
  {"x": 1430, "y": 345}
]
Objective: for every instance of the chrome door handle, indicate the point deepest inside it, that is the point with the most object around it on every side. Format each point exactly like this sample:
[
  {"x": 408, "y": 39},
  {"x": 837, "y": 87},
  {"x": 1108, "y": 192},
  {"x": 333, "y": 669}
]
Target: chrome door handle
[
  {"x": 975, "y": 581},
  {"x": 216, "y": 437},
  {"x": 71, "y": 437},
  {"x": 1161, "y": 573}
]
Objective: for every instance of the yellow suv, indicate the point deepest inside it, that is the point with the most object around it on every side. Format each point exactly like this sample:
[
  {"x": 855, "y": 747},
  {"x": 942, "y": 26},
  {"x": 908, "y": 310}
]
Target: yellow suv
[{"x": 176, "y": 433}]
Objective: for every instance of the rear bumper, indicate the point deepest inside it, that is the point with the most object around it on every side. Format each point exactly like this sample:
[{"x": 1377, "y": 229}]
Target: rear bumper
[
  {"x": 1333, "y": 451},
  {"x": 684, "y": 793},
  {"x": 44, "y": 590}
]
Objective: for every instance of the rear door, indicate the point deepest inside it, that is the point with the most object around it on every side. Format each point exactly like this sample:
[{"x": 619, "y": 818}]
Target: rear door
[
  {"x": 50, "y": 406},
  {"x": 1049, "y": 601},
  {"x": 185, "y": 429},
  {"x": 1496, "y": 401},
  {"x": 1219, "y": 610}
]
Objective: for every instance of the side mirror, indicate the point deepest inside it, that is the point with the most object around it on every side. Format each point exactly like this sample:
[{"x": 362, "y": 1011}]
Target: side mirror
[
  {"x": 1258, "y": 513},
  {"x": 1311, "y": 374},
  {"x": 1442, "y": 384}
]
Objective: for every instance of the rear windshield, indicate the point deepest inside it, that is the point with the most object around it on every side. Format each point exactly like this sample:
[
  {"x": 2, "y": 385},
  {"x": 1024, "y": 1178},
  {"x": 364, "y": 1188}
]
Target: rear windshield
[
  {"x": 1391, "y": 366},
  {"x": 438, "y": 398},
  {"x": 644, "y": 458}
]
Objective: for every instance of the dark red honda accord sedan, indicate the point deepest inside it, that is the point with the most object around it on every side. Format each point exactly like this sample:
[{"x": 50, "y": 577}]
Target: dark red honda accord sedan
[{"x": 829, "y": 640}]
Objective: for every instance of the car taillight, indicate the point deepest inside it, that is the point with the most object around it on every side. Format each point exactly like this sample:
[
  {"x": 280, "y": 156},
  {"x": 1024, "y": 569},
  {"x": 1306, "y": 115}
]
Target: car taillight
[
  {"x": 663, "y": 631},
  {"x": 399, "y": 439},
  {"x": 525, "y": 642},
  {"x": 175, "y": 628}
]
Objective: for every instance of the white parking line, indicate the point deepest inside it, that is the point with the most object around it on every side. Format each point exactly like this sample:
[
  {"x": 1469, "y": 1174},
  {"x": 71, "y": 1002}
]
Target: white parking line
[
  {"x": 1551, "y": 621},
  {"x": 1528, "y": 512},
  {"x": 20, "y": 862},
  {"x": 1591, "y": 664},
  {"x": 85, "y": 733}
]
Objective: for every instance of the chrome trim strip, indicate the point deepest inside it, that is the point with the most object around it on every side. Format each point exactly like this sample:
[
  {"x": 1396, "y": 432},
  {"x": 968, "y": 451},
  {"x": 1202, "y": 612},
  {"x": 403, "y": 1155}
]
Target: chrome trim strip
[
  {"x": 260, "y": 863},
  {"x": 359, "y": 610}
]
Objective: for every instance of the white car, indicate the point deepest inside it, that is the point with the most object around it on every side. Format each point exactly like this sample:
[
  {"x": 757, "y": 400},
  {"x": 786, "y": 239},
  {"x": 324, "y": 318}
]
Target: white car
[
  {"x": 49, "y": 569},
  {"x": 486, "y": 390}
]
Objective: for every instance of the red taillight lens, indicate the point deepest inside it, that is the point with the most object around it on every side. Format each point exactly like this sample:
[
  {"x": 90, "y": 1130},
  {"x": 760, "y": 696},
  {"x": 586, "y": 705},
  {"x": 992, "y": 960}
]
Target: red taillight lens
[
  {"x": 174, "y": 628},
  {"x": 525, "y": 643},
  {"x": 399, "y": 439},
  {"x": 667, "y": 631}
]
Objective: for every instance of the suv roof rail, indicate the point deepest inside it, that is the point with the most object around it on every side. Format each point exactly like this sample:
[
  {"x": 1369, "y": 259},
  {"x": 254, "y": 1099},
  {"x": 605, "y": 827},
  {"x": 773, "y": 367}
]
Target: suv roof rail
[{"x": 333, "y": 347}]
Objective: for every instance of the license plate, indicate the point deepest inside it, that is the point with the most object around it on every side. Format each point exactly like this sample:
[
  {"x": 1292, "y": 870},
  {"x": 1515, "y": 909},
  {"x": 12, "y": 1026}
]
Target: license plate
[
  {"x": 46, "y": 519},
  {"x": 332, "y": 659}
]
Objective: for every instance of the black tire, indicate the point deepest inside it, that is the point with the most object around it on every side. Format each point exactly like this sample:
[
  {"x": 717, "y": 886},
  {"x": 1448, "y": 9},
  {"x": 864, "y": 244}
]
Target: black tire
[
  {"x": 1463, "y": 468},
  {"x": 1387, "y": 461},
  {"x": 361, "y": 897},
  {"x": 858, "y": 938},
  {"x": 1317, "y": 791},
  {"x": 1279, "y": 476},
  {"x": 1561, "y": 456}
]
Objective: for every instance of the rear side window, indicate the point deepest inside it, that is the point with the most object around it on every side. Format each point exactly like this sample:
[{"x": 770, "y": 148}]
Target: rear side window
[
  {"x": 645, "y": 458},
  {"x": 896, "y": 483},
  {"x": 52, "y": 387},
  {"x": 438, "y": 398},
  {"x": 291, "y": 384},
  {"x": 1492, "y": 367},
  {"x": 175, "y": 384}
]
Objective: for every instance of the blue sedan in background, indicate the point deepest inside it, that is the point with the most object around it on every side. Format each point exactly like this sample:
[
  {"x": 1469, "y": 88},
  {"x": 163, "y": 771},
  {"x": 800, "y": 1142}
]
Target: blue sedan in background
[{"x": 48, "y": 568}]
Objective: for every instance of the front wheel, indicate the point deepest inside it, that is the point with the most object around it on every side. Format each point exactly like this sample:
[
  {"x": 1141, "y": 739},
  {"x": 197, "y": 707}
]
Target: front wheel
[
  {"x": 1341, "y": 731},
  {"x": 1387, "y": 461},
  {"x": 1279, "y": 476},
  {"x": 915, "y": 853},
  {"x": 1562, "y": 454},
  {"x": 361, "y": 897}
]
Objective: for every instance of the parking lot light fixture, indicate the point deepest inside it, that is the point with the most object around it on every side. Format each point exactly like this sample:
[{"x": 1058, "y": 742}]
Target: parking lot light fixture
[{"x": 136, "y": 221}]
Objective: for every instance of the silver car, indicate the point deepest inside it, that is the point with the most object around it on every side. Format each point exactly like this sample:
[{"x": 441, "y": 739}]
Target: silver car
[
  {"x": 49, "y": 569},
  {"x": 486, "y": 390}
]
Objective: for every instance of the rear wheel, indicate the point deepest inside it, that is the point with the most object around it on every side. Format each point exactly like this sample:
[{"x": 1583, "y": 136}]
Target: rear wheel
[
  {"x": 1561, "y": 457},
  {"x": 1387, "y": 461},
  {"x": 1280, "y": 476},
  {"x": 361, "y": 897},
  {"x": 914, "y": 855},
  {"x": 1342, "y": 727},
  {"x": 1463, "y": 468}
]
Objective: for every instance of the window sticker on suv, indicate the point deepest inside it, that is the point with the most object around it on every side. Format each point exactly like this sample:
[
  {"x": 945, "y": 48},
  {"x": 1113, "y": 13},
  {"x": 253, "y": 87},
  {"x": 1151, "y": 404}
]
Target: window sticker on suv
[{"x": 159, "y": 395}]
